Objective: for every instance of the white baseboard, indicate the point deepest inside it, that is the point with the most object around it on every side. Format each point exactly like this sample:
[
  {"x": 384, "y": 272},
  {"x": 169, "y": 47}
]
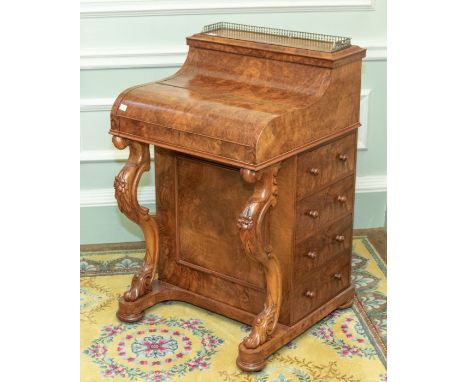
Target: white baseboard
[
  {"x": 126, "y": 8},
  {"x": 104, "y": 197},
  {"x": 371, "y": 183}
]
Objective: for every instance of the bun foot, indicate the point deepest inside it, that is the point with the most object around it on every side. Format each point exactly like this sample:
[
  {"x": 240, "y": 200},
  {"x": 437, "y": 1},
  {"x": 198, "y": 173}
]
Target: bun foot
[
  {"x": 130, "y": 312},
  {"x": 129, "y": 317},
  {"x": 251, "y": 359},
  {"x": 250, "y": 366},
  {"x": 347, "y": 304}
]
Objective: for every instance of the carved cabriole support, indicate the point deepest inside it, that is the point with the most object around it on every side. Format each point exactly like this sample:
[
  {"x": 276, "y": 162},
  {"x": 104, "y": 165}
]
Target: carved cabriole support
[
  {"x": 251, "y": 229},
  {"x": 126, "y": 185}
]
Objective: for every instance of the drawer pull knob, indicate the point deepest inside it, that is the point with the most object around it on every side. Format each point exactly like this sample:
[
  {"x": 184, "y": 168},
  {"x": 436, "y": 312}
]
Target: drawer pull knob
[
  {"x": 343, "y": 157},
  {"x": 312, "y": 254},
  {"x": 339, "y": 238},
  {"x": 342, "y": 199},
  {"x": 310, "y": 294},
  {"x": 314, "y": 171},
  {"x": 313, "y": 214},
  {"x": 337, "y": 276}
]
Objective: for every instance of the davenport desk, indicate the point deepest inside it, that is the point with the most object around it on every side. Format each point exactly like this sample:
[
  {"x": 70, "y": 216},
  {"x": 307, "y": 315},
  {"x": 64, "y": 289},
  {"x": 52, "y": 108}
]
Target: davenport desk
[{"x": 255, "y": 152}]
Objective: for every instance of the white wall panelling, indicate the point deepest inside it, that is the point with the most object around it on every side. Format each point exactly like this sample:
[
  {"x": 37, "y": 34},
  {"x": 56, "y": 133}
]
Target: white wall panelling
[
  {"x": 363, "y": 117},
  {"x": 132, "y": 59},
  {"x": 91, "y": 9},
  {"x": 96, "y": 104},
  {"x": 146, "y": 58},
  {"x": 104, "y": 197}
]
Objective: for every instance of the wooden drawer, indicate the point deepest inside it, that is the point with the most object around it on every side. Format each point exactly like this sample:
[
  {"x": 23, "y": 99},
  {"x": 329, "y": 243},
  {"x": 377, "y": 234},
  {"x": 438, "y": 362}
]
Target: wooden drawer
[
  {"x": 325, "y": 164},
  {"x": 324, "y": 207},
  {"x": 323, "y": 285},
  {"x": 312, "y": 253}
]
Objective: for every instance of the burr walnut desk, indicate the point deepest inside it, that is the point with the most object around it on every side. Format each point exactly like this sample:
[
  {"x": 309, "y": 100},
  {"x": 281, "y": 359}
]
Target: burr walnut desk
[{"x": 255, "y": 152}]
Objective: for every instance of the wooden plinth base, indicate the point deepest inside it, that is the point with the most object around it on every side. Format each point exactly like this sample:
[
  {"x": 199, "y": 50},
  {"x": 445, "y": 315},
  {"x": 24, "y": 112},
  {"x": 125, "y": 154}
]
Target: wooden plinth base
[
  {"x": 255, "y": 359},
  {"x": 248, "y": 359}
]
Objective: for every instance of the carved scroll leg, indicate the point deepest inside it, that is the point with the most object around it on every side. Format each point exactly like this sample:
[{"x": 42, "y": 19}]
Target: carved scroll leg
[
  {"x": 251, "y": 228},
  {"x": 126, "y": 185}
]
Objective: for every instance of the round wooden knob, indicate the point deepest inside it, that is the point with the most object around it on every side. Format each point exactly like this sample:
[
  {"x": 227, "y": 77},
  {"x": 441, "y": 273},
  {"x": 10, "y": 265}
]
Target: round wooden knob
[
  {"x": 337, "y": 276},
  {"x": 343, "y": 157},
  {"x": 310, "y": 294},
  {"x": 314, "y": 171},
  {"x": 312, "y": 254},
  {"x": 313, "y": 214},
  {"x": 339, "y": 238},
  {"x": 342, "y": 198}
]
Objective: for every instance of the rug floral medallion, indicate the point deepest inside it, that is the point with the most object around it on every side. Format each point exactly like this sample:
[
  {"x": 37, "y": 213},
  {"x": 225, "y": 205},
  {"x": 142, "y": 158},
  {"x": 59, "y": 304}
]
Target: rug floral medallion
[{"x": 179, "y": 342}]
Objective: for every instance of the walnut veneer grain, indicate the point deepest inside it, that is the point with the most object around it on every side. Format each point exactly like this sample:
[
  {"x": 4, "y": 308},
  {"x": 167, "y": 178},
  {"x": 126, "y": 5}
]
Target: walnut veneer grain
[{"x": 255, "y": 149}]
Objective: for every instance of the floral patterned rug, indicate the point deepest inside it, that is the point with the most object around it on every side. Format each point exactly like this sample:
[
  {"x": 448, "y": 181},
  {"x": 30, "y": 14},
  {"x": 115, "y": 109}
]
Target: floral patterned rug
[{"x": 180, "y": 342}]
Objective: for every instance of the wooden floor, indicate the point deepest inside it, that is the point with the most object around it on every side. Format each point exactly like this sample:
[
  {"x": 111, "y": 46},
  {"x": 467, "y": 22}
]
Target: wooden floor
[{"x": 377, "y": 236}]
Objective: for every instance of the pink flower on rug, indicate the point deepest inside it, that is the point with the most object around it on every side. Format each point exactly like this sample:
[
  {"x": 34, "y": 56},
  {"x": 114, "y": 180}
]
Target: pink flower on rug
[
  {"x": 198, "y": 363},
  {"x": 348, "y": 351},
  {"x": 158, "y": 375},
  {"x": 152, "y": 320},
  {"x": 210, "y": 342},
  {"x": 112, "y": 330},
  {"x": 113, "y": 370},
  {"x": 191, "y": 324},
  {"x": 97, "y": 351},
  {"x": 324, "y": 333}
]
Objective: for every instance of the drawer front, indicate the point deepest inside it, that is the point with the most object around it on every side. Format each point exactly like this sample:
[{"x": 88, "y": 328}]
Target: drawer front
[
  {"x": 321, "y": 287},
  {"x": 334, "y": 241},
  {"x": 324, "y": 207},
  {"x": 325, "y": 164}
]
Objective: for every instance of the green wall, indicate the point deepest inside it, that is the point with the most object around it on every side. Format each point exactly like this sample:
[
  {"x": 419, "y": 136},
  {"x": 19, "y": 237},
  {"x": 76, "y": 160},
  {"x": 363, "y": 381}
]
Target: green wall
[{"x": 123, "y": 48}]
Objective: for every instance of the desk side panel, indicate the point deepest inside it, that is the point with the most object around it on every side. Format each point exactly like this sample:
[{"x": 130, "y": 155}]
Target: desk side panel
[{"x": 200, "y": 247}]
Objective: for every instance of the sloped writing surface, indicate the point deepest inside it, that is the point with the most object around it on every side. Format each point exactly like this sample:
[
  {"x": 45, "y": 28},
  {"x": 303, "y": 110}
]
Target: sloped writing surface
[{"x": 244, "y": 105}]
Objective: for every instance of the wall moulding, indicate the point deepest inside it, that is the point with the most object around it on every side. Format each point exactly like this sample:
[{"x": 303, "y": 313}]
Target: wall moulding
[
  {"x": 147, "y": 58},
  {"x": 93, "y": 9},
  {"x": 104, "y": 197}
]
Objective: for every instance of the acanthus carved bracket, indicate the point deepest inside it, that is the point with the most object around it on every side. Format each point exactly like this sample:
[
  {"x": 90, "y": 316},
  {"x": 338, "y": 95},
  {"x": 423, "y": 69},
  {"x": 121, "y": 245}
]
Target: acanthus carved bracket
[
  {"x": 126, "y": 185},
  {"x": 251, "y": 228}
]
